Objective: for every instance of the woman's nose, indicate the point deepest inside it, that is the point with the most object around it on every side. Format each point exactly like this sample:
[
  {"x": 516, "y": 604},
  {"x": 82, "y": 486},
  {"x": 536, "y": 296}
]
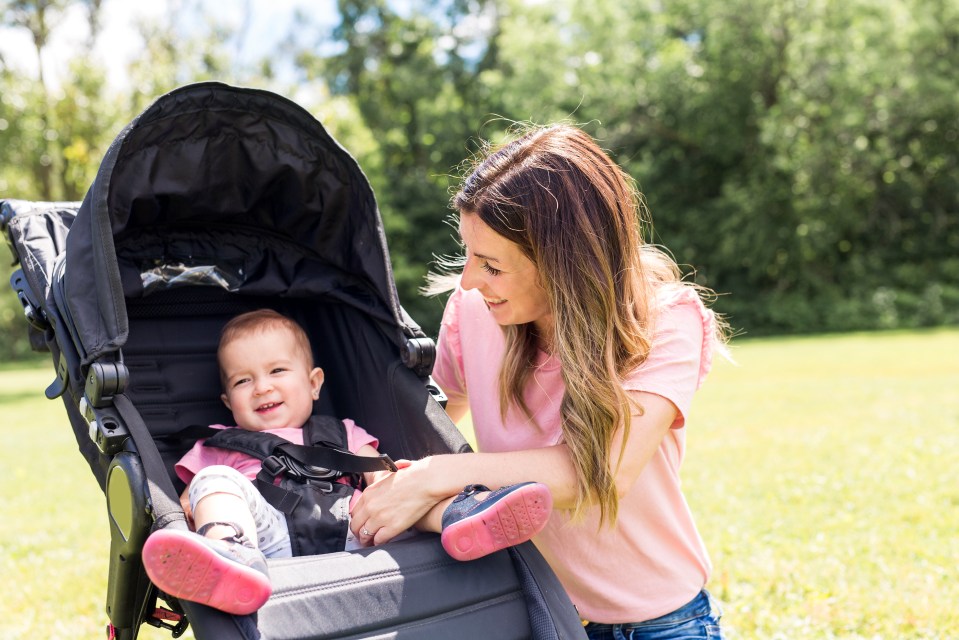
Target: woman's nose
[{"x": 469, "y": 279}]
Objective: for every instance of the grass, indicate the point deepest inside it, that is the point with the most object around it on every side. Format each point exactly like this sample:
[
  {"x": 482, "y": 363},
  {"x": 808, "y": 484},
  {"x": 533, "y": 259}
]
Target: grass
[
  {"x": 54, "y": 540},
  {"x": 823, "y": 472}
]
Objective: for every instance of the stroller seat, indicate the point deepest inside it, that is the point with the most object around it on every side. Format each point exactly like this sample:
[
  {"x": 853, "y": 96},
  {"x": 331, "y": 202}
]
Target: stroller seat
[{"x": 214, "y": 201}]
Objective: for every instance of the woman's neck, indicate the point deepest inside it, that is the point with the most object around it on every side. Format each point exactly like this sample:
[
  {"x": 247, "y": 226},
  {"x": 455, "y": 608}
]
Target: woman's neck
[{"x": 545, "y": 333}]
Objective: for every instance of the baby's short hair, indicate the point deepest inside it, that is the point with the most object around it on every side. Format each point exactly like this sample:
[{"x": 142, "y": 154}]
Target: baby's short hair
[{"x": 262, "y": 320}]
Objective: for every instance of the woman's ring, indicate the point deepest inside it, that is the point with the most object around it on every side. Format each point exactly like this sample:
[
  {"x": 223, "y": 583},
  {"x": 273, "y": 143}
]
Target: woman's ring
[{"x": 365, "y": 531}]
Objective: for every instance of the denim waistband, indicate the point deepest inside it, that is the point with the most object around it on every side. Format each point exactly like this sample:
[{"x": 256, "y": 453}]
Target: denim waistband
[{"x": 699, "y": 606}]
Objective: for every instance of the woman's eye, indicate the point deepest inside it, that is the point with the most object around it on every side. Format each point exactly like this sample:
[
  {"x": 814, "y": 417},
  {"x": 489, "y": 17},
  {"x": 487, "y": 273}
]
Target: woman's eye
[{"x": 493, "y": 271}]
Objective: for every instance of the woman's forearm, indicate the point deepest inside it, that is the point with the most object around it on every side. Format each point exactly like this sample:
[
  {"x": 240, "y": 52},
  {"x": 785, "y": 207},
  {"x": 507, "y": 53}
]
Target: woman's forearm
[
  {"x": 402, "y": 499},
  {"x": 446, "y": 475}
]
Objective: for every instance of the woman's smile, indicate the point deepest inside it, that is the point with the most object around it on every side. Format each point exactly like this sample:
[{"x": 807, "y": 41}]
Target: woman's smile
[{"x": 508, "y": 280}]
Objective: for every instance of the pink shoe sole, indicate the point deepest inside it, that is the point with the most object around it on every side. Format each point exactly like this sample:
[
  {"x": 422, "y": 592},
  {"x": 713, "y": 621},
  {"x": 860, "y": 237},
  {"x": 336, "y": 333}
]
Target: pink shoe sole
[
  {"x": 515, "y": 518},
  {"x": 182, "y": 565}
]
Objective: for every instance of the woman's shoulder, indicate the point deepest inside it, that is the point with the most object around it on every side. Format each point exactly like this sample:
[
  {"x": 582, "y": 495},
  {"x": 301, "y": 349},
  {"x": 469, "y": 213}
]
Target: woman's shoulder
[
  {"x": 681, "y": 299},
  {"x": 679, "y": 307}
]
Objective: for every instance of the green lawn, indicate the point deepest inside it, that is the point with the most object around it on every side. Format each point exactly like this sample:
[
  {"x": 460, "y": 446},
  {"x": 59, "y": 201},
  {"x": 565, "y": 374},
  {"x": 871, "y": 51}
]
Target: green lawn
[
  {"x": 54, "y": 539},
  {"x": 822, "y": 471}
]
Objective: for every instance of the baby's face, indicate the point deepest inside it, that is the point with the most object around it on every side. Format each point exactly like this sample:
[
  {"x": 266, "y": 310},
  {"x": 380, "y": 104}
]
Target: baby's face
[{"x": 269, "y": 382}]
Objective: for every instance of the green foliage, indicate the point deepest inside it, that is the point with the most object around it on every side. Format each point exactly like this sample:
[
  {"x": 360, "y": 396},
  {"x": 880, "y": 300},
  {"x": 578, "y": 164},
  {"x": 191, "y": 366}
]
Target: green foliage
[{"x": 800, "y": 158}]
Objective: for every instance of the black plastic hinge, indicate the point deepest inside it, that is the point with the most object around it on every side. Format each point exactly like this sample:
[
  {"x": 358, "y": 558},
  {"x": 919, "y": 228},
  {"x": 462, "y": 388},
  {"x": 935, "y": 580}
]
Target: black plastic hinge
[
  {"x": 105, "y": 380},
  {"x": 419, "y": 354},
  {"x": 106, "y": 428},
  {"x": 31, "y": 308}
]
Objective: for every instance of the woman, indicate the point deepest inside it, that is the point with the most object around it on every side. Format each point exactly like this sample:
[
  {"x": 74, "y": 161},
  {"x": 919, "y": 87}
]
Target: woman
[{"x": 577, "y": 349}]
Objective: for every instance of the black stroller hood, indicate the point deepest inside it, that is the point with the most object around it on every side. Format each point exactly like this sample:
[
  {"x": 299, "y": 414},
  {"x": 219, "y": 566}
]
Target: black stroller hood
[{"x": 239, "y": 187}]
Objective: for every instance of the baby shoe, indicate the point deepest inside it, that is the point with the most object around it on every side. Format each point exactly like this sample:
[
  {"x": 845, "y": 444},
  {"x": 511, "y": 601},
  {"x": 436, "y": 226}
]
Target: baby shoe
[
  {"x": 473, "y": 528},
  {"x": 229, "y": 574}
]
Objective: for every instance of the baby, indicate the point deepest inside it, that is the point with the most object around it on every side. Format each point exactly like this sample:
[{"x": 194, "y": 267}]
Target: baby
[{"x": 270, "y": 385}]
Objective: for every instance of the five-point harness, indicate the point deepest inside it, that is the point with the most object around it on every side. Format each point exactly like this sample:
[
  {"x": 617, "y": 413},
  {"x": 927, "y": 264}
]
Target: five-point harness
[{"x": 309, "y": 493}]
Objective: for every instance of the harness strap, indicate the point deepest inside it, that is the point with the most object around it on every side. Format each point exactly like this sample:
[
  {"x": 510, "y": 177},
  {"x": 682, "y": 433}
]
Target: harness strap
[
  {"x": 328, "y": 458},
  {"x": 283, "y": 500},
  {"x": 321, "y": 454},
  {"x": 163, "y": 497}
]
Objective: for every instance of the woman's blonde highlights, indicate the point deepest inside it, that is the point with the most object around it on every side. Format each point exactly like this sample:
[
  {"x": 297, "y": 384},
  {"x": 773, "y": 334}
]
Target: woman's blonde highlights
[{"x": 579, "y": 218}]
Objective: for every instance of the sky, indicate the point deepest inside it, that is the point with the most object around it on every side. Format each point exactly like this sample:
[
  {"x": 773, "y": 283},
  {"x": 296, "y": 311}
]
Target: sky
[{"x": 119, "y": 42}]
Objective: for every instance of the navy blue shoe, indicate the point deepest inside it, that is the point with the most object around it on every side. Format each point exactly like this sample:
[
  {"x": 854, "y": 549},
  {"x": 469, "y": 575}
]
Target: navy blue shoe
[{"x": 474, "y": 528}]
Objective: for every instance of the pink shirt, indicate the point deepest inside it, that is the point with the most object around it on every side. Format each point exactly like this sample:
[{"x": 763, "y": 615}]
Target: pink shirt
[
  {"x": 200, "y": 456},
  {"x": 652, "y": 560}
]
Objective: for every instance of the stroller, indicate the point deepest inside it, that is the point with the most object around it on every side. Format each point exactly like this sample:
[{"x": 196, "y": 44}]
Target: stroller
[{"x": 214, "y": 201}]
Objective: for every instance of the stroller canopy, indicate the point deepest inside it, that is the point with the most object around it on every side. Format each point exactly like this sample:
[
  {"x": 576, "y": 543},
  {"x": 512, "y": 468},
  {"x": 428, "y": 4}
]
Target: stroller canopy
[{"x": 232, "y": 187}]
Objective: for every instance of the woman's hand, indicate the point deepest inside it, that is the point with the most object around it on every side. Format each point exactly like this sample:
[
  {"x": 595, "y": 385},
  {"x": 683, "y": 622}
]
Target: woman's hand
[{"x": 393, "y": 503}]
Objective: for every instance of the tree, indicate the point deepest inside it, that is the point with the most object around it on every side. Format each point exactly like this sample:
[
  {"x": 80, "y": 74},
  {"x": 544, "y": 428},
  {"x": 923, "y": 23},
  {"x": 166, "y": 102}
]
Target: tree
[
  {"x": 416, "y": 82},
  {"x": 50, "y": 139},
  {"x": 802, "y": 156}
]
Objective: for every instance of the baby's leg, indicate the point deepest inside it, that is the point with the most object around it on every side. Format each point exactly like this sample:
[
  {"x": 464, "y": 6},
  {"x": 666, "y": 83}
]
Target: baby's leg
[
  {"x": 223, "y": 494},
  {"x": 218, "y": 565},
  {"x": 433, "y": 520}
]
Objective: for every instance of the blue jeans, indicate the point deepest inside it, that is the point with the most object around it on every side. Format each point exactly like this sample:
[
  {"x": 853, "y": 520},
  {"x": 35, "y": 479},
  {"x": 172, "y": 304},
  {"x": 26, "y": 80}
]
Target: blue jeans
[{"x": 693, "y": 621}]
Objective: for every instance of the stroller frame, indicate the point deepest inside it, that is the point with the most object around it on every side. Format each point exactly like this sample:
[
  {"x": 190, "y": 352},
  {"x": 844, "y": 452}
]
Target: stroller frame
[{"x": 214, "y": 201}]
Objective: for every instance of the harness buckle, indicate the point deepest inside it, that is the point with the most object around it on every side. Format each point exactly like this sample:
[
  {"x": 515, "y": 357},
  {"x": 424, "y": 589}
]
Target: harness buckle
[
  {"x": 275, "y": 465},
  {"x": 303, "y": 471}
]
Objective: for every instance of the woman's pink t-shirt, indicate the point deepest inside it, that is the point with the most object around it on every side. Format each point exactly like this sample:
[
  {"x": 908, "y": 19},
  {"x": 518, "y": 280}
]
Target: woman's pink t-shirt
[
  {"x": 652, "y": 560},
  {"x": 201, "y": 456}
]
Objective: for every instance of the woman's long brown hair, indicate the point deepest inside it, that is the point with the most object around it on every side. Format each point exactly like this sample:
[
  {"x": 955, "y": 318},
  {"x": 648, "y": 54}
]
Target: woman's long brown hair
[{"x": 579, "y": 218}]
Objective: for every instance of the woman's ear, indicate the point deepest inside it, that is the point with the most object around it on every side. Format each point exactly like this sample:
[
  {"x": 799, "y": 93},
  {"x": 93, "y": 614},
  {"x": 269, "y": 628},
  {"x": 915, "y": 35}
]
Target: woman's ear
[{"x": 316, "y": 382}]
